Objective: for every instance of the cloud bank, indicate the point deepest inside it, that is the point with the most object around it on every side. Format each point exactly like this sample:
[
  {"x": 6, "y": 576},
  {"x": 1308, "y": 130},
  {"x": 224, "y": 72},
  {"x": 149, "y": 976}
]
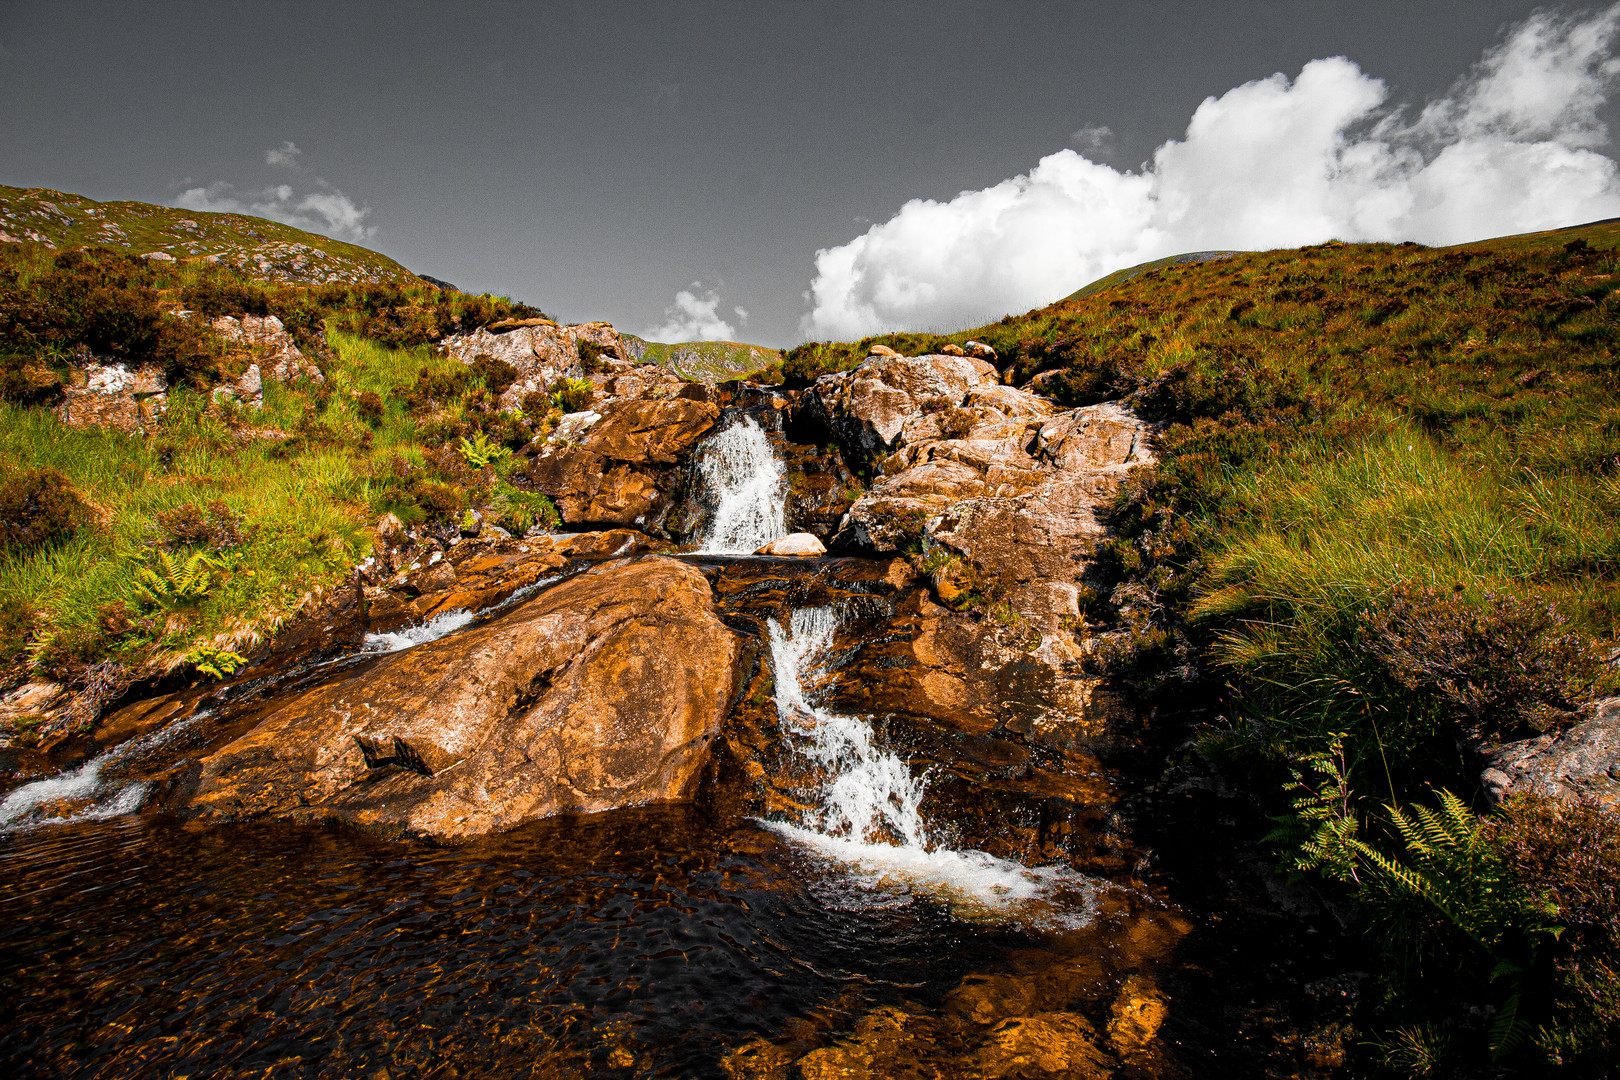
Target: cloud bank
[
  {"x": 1512, "y": 147},
  {"x": 324, "y": 210},
  {"x": 695, "y": 317}
]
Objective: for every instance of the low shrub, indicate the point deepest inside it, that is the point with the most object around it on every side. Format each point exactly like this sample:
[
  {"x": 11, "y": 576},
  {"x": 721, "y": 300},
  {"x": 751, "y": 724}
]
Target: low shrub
[
  {"x": 495, "y": 374},
  {"x": 215, "y": 527},
  {"x": 571, "y": 395},
  {"x": 369, "y": 407},
  {"x": 1507, "y": 666},
  {"x": 38, "y": 507}
]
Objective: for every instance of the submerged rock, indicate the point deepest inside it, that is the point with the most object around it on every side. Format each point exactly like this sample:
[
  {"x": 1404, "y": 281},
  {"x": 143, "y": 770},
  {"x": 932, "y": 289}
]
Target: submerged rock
[{"x": 603, "y": 692}]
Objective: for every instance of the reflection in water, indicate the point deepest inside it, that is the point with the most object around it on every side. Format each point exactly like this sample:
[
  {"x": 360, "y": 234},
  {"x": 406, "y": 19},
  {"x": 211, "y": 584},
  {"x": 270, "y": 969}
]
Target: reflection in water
[{"x": 142, "y": 947}]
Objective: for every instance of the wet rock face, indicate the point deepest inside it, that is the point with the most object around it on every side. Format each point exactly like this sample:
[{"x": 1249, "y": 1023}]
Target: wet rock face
[
  {"x": 621, "y": 468},
  {"x": 1580, "y": 763},
  {"x": 603, "y": 692}
]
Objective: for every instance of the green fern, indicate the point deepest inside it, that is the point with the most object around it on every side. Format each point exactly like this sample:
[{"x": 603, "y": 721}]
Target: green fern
[
  {"x": 213, "y": 662},
  {"x": 1450, "y": 869},
  {"x": 1323, "y": 830},
  {"x": 169, "y": 581},
  {"x": 481, "y": 451}
]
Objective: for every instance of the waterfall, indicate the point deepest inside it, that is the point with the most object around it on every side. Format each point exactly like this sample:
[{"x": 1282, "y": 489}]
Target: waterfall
[
  {"x": 741, "y": 471},
  {"x": 869, "y": 817}
]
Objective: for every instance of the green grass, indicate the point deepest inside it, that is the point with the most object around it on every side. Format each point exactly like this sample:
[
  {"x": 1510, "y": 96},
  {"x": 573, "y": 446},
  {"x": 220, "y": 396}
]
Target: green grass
[
  {"x": 68, "y": 221},
  {"x": 305, "y": 505}
]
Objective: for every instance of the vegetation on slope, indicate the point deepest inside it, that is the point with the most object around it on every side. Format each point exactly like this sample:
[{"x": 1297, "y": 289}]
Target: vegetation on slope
[
  {"x": 124, "y": 556},
  {"x": 265, "y": 249},
  {"x": 1381, "y": 530},
  {"x": 702, "y": 360}
]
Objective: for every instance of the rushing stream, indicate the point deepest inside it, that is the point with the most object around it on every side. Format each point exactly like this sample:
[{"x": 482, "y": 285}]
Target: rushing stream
[{"x": 683, "y": 942}]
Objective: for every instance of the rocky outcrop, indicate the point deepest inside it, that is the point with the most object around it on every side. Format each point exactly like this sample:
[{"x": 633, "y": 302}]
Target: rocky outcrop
[
  {"x": 115, "y": 396},
  {"x": 274, "y": 352},
  {"x": 541, "y": 350},
  {"x": 1581, "y": 763},
  {"x": 408, "y": 583},
  {"x": 601, "y": 692},
  {"x": 617, "y": 467},
  {"x": 868, "y": 407},
  {"x": 1002, "y": 490}
]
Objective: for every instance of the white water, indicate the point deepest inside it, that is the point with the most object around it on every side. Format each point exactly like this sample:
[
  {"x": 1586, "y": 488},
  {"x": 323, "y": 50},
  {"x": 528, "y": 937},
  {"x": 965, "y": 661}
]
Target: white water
[
  {"x": 749, "y": 484},
  {"x": 869, "y": 819},
  {"x": 448, "y": 622},
  {"x": 411, "y": 636},
  {"x": 25, "y": 808}
]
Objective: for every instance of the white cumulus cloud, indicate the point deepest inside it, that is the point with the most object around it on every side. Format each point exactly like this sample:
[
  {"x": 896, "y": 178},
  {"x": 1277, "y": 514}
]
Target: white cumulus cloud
[
  {"x": 694, "y": 316},
  {"x": 326, "y": 210},
  {"x": 1512, "y": 147}
]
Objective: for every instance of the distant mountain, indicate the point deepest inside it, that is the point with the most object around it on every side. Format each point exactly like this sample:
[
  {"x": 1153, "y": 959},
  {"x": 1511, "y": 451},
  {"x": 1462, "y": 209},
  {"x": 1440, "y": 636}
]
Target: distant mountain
[
  {"x": 702, "y": 359},
  {"x": 263, "y": 248}
]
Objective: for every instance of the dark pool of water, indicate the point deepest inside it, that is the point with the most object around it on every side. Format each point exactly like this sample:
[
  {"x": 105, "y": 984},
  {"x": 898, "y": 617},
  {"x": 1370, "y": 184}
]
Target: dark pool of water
[{"x": 144, "y": 947}]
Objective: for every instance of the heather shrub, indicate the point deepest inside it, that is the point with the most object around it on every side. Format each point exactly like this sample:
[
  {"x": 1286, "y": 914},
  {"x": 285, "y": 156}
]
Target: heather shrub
[
  {"x": 38, "y": 507},
  {"x": 1505, "y": 665},
  {"x": 216, "y": 527},
  {"x": 369, "y": 407},
  {"x": 495, "y": 374}
]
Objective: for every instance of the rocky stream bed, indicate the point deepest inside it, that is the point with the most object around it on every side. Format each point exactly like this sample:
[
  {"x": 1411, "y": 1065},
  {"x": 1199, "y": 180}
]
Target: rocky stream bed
[{"x": 626, "y": 800}]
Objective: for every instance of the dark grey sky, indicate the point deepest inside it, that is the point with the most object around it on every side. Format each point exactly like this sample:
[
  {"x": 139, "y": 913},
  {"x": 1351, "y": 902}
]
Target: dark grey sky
[{"x": 594, "y": 158}]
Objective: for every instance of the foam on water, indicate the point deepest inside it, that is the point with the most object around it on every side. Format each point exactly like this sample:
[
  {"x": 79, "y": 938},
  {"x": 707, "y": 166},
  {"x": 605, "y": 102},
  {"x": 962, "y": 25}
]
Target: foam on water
[
  {"x": 448, "y": 622},
  {"x": 24, "y": 808},
  {"x": 411, "y": 636},
  {"x": 740, "y": 469},
  {"x": 869, "y": 820}
]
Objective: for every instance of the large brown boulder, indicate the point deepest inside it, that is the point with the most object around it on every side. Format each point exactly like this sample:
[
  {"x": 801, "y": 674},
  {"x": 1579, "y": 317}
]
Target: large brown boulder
[
  {"x": 619, "y": 469},
  {"x": 602, "y": 692},
  {"x": 868, "y": 406}
]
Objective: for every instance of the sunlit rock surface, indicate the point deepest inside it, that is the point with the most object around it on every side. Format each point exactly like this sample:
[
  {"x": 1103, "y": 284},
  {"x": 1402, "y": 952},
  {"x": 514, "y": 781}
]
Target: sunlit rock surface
[{"x": 602, "y": 692}]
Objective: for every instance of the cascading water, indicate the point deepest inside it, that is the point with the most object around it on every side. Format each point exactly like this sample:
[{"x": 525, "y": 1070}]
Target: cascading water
[
  {"x": 88, "y": 791},
  {"x": 740, "y": 469},
  {"x": 869, "y": 815}
]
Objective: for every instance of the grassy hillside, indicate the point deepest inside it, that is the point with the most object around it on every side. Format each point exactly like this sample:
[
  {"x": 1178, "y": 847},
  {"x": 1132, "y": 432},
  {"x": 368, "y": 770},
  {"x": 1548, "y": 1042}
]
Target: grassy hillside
[
  {"x": 1110, "y": 280},
  {"x": 124, "y": 556},
  {"x": 704, "y": 360},
  {"x": 1384, "y": 526},
  {"x": 265, "y": 249}
]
